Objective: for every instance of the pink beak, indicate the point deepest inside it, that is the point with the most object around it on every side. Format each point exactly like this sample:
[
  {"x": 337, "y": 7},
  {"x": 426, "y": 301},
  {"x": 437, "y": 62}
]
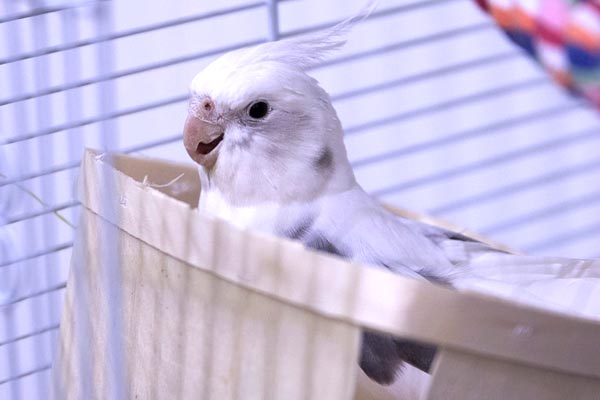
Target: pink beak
[{"x": 202, "y": 138}]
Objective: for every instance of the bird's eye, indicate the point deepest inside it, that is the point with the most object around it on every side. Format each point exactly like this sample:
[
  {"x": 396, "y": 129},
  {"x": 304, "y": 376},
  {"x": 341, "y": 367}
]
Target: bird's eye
[{"x": 258, "y": 110}]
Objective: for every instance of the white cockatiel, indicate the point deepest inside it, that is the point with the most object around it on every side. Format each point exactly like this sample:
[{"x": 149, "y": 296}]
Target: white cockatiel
[{"x": 272, "y": 158}]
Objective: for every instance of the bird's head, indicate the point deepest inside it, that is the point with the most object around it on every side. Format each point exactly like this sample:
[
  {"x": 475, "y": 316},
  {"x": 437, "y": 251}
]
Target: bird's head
[{"x": 255, "y": 114}]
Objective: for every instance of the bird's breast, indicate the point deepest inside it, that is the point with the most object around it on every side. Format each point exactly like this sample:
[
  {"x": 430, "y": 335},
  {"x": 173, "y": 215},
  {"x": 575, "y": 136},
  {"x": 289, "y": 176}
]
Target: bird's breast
[{"x": 262, "y": 217}]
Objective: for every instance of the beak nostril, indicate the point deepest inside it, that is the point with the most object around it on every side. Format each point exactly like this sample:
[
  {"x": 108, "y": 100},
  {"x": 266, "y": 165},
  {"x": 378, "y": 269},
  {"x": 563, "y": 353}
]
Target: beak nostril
[{"x": 207, "y": 105}]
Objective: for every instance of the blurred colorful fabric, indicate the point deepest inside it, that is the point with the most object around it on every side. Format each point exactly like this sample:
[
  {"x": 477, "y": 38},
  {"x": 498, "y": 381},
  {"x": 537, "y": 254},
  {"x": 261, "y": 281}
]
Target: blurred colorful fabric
[{"x": 562, "y": 35}]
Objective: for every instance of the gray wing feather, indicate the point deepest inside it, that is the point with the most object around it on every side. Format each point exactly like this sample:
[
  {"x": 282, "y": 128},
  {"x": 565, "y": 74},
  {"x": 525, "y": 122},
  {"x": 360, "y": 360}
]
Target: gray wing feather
[{"x": 382, "y": 355}]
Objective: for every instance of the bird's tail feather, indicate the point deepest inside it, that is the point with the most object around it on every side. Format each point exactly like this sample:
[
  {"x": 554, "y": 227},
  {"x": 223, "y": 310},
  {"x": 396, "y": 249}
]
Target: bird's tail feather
[{"x": 559, "y": 284}]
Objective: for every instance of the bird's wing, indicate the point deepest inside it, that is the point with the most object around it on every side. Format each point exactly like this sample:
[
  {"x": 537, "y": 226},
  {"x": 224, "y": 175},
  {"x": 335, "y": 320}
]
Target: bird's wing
[
  {"x": 360, "y": 229},
  {"x": 357, "y": 228},
  {"x": 382, "y": 355}
]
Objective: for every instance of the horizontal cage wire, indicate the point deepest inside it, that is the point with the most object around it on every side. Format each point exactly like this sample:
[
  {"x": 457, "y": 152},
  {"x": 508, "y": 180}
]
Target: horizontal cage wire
[{"x": 442, "y": 115}]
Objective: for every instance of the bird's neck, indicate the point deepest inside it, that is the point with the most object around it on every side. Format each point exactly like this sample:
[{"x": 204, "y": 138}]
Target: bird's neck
[
  {"x": 266, "y": 215},
  {"x": 257, "y": 194},
  {"x": 246, "y": 180}
]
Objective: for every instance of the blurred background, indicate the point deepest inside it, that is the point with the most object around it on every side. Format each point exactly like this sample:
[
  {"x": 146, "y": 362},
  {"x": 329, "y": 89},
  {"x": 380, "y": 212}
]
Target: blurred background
[{"x": 443, "y": 116}]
